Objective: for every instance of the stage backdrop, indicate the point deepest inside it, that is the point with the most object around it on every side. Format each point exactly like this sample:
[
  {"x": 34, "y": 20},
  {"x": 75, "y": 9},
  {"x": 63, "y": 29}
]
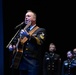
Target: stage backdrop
[{"x": 1, "y": 40}]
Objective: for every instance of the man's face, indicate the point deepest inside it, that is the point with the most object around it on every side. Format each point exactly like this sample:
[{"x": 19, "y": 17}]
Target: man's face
[
  {"x": 69, "y": 54},
  {"x": 52, "y": 48},
  {"x": 29, "y": 17},
  {"x": 74, "y": 51}
]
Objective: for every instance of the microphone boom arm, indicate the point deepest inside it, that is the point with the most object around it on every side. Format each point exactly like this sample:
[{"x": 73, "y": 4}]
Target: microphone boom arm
[{"x": 19, "y": 25}]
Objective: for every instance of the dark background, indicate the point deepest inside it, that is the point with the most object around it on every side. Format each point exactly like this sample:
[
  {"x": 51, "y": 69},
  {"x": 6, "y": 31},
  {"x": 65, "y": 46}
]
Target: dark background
[
  {"x": 1, "y": 41},
  {"x": 58, "y": 18}
]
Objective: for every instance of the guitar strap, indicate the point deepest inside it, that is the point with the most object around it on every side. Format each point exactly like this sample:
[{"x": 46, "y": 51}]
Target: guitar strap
[{"x": 30, "y": 33}]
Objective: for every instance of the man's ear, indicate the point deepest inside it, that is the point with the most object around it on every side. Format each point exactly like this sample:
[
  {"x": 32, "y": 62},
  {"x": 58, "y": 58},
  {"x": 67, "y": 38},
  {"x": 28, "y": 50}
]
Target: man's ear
[
  {"x": 34, "y": 19},
  {"x": 55, "y": 49}
]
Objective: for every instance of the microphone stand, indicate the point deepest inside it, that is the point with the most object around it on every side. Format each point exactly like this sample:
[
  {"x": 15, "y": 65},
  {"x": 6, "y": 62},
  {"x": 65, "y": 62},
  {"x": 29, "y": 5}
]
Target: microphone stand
[
  {"x": 15, "y": 34},
  {"x": 18, "y": 26}
]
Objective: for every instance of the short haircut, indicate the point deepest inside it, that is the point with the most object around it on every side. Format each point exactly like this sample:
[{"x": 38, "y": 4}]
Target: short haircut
[
  {"x": 70, "y": 52},
  {"x": 52, "y": 44},
  {"x": 32, "y": 12}
]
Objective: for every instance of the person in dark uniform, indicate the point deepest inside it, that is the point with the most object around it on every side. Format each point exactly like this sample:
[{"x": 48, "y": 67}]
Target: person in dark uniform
[
  {"x": 51, "y": 61},
  {"x": 30, "y": 63},
  {"x": 69, "y": 65},
  {"x": 74, "y": 53}
]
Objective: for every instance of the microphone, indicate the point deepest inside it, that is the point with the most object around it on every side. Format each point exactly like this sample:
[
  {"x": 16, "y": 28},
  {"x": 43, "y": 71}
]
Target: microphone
[{"x": 19, "y": 25}]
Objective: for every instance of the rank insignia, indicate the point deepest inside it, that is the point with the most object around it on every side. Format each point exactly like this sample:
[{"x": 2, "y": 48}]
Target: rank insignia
[{"x": 42, "y": 36}]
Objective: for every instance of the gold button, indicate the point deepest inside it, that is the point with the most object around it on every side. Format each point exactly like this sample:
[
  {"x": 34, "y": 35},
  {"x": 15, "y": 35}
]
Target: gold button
[{"x": 26, "y": 48}]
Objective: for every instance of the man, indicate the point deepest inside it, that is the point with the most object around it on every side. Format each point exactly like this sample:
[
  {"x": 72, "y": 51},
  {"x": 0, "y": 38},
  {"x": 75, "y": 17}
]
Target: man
[
  {"x": 74, "y": 53},
  {"x": 30, "y": 63},
  {"x": 69, "y": 65},
  {"x": 51, "y": 62}
]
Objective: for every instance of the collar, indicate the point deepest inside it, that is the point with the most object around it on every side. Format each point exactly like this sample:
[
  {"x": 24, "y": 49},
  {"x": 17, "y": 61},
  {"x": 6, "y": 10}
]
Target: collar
[{"x": 31, "y": 27}]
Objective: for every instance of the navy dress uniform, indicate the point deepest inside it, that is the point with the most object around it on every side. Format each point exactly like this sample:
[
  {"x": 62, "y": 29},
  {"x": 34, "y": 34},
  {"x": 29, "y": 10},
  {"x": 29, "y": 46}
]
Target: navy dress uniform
[
  {"x": 31, "y": 61},
  {"x": 69, "y": 67},
  {"x": 51, "y": 64}
]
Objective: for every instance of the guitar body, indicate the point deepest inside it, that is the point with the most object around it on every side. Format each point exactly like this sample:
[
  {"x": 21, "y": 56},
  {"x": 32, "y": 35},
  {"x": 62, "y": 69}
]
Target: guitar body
[
  {"x": 18, "y": 54},
  {"x": 17, "y": 58}
]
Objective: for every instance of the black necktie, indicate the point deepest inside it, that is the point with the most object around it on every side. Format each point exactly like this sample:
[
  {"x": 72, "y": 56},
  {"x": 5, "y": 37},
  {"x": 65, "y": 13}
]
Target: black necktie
[{"x": 28, "y": 29}]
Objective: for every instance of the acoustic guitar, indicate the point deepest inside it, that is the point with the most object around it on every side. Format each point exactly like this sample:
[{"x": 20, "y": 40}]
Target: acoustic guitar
[{"x": 18, "y": 52}]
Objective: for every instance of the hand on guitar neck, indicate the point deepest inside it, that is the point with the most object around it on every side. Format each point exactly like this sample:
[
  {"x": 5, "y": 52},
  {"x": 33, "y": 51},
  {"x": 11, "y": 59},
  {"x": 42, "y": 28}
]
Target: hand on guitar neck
[{"x": 24, "y": 33}]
